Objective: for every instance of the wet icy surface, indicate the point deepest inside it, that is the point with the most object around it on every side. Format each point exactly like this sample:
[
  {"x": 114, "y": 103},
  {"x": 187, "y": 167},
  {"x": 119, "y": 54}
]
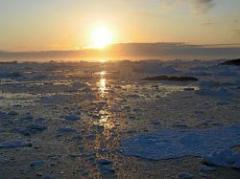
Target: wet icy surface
[{"x": 69, "y": 120}]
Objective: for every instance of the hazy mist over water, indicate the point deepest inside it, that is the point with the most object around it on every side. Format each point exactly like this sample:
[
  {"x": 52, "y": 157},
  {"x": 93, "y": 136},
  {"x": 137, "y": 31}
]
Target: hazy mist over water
[{"x": 132, "y": 51}]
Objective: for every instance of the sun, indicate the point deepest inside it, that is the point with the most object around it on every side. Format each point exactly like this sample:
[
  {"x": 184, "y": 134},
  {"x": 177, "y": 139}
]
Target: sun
[{"x": 101, "y": 37}]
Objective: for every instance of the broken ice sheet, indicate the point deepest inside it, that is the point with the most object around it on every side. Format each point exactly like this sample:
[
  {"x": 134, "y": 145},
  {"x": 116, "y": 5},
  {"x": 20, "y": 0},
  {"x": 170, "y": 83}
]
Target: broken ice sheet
[
  {"x": 152, "y": 90},
  {"x": 172, "y": 143},
  {"x": 10, "y": 99}
]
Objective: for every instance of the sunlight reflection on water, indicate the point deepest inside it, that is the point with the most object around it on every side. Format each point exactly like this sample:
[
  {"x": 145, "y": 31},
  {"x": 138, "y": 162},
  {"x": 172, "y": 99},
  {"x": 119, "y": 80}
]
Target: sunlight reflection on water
[
  {"x": 102, "y": 84},
  {"x": 104, "y": 120}
]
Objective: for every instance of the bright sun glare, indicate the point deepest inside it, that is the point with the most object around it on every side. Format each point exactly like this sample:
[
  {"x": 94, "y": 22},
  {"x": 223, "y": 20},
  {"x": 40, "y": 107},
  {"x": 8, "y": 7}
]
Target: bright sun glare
[{"x": 101, "y": 37}]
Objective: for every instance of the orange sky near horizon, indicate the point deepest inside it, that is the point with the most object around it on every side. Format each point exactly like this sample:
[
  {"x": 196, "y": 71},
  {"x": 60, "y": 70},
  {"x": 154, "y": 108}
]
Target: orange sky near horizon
[{"x": 70, "y": 24}]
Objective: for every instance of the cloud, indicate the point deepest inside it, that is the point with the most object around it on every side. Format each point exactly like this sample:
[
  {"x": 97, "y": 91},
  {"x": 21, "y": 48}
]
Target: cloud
[
  {"x": 209, "y": 23},
  {"x": 237, "y": 32},
  {"x": 236, "y": 21},
  {"x": 202, "y": 6},
  {"x": 197, "y": 6}
]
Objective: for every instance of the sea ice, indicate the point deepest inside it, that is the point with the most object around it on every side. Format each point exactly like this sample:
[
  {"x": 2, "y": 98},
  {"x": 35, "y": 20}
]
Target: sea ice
[
  {"x": 174, "y": 143},
  {"x": 72, "y": 117},
  {"x": 14, "y": 144},
  {"x": 225, "y": 158}
]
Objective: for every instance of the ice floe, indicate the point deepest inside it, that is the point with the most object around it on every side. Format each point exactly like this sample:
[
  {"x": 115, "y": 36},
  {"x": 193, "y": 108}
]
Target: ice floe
[
  {"x": 14, "y": 144},
  {"x": 224, "y": 158},
  {"x": 173, "y": 143},
  {"x": 72, "y": 117}
]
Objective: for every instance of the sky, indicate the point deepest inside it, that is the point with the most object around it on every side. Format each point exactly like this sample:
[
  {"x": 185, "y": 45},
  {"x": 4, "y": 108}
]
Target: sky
[{"x": 33, "y": 25}]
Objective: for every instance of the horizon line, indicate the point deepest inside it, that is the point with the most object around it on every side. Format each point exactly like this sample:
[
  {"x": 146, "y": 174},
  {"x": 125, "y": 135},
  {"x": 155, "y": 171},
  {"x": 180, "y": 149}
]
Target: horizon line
[{"x": 233, "y": 45}]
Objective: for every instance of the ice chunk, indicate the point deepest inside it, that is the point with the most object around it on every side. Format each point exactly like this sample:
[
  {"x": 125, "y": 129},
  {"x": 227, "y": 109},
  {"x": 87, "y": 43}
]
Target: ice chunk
[
  {"x": 225, "y": 158},
  {"x": 14, "y": 144},
  {"x": 72, "y": 117}
]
